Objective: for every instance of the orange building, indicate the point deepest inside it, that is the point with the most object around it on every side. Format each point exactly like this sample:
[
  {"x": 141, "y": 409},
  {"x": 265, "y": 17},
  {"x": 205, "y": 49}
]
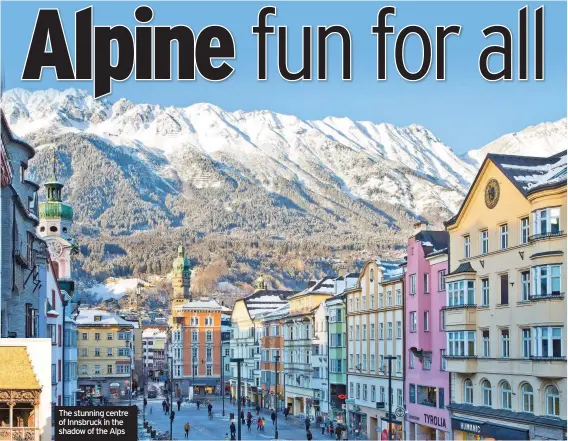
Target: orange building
[
  {"x": 271, "y": 345},
  {"x": 196, "y": 346}
]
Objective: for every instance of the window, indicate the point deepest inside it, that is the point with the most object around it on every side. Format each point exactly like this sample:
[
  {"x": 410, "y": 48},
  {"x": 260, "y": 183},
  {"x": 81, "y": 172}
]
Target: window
[
  {"x": 364, "y": 332},
  {"x": 504, "y": 343},
  {"x": 389, "y": 331},
  {"x": 84, "y": 336},
  {"x": 399, "y": 330},
  {"x": 484, "y": 242},
  {"x": 413, "y": 321},
  {"x": 53, "y": 373},
  {"x": 109, "y": 368},
  {"x": 524, "y": 230},
  {"x": 399, "y": 397},
  {"x": 372, "y": 301},
  {"x": 365, "y": 392},
  {"x": 350, "y": 389},
  {"x": 546, "y": 221},
  {"x": 357, "y": 304},
  {"x": 442, "y": 320},
  {"x": 399, "y": 364},
  {"x": 209, "y": 336},
  {"x": 527, "y": 398},
  {"x": 411, "y": 360},
  {"x": 373, "y": 393},
  {"x": 504, "y": 289},
  {"x": 381, "y": 331},
  {"x": 506, "y": 395},
  {"x": 351, "y": 332},
  {"x": 109, "y": 352},
  {"x": 412, "y": 393},
  {"x": 546, "y": 280},
  {"x": 466, "y": 246},
  {"x": 389, "y": 297},
  {"x": 381, "y": 300},
  {"x": 526, "y": 342},
  {"x": 504, "y": 236},
  {"x": 357, "y": 391},
  {"x": 426, "y": 320},
  {"x": 372, "y": 362},
  {"x": 209, "y": 370},
  {"x": 548, "y": 342},
  {"x": 441, "y": 400},
  {"x": 381, "y": 362},
  {"x": 364, "y": 302},
  {"x": 484, "y": 292},
  {"x": 110, "y": 336},
  {"x": 426, "y": 283},
  {"x": 364, "y": 362},
  {"x": 486, "y": 393},
  {"x": 382, "y": 394},
  {"x": 427, "y": 364},
  {"x": 552, "y": 401},
  {"x": 84, "y": 352},
  {"x": 441, "y": 280},
  {"x": 525, "y": 286},
  {"x": 426, "y": 396},
  {"x": 461, "y": 293},
  {"x": 97, "y": 336},
  {"x": 413, "y": 284},
  {"x": 461, "y": 344},
  {"x": 485, "y": 342},
  {"x": 194, "y": 335},
  {"x": 52, "y": 332},
  {"x": 468, "y": 391},
  {"x": 83, "y": 369},
  {"x": 372, "y": 275},
  {"x": 194, "y": 321},
  {"x": 97, "y": 352},
  {"x": 372, "y": 331},
  {"x": 98, "y": 369},
  {"x": 443, "y": 364},
  {"x": 357, "y": 332},
  {"x": 398, "y": 300}
]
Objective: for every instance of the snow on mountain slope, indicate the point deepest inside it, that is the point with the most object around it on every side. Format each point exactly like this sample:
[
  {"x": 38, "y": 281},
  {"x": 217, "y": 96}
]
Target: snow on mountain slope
[{"x": 545, "y": 139}]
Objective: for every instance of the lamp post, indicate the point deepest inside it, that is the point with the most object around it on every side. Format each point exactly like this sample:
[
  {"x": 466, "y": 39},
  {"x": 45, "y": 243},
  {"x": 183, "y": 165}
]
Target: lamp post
[
  {"x": 171, "y": 360},
  {"x": 64, "y": 301},
  {"x": 223, "y": 380},
  {"x": 131, "y": 363},
  {"x": 328, "y": 379},
  {"x": 390, "y": 358},
  {"x": 239, "y": 361},
  {"x": 276, "y": 396}
]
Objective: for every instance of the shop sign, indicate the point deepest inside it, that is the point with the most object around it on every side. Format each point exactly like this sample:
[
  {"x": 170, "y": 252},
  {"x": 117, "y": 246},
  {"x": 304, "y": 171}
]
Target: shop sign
[
  {"x": 467, "y": 426},
  {"x": 436, "y": 421},
  {"x": 350, "y": 401}
]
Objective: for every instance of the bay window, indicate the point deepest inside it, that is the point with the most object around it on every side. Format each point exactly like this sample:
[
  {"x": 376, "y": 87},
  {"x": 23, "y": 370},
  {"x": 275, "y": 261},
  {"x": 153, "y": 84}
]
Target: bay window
[
  {"x": 546, "y": 280},
  {"x": 461, "y": 343},
  {"x": 461, "y": 293},
  {"x": 546, "y": 221},
  {"x": 548, "y": 341}
]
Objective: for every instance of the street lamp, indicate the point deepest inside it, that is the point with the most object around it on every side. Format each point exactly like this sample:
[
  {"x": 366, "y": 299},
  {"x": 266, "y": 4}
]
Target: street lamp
[
  {"x": 171, "y": 359},
  {"x": 239, "y": 361},
  {"x": 328, "y": 377},
  {"x": 389, "y": 358},
  {"x": 277, "y": 357}
]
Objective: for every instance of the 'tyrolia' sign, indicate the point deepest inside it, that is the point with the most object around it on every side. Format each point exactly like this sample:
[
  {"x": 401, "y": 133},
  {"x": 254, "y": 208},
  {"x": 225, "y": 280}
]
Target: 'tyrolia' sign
[{"x": 435, "y": 420}]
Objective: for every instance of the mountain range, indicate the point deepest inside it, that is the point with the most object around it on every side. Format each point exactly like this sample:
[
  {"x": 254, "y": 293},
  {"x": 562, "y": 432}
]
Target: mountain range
[{"x": 258, "y": 189}]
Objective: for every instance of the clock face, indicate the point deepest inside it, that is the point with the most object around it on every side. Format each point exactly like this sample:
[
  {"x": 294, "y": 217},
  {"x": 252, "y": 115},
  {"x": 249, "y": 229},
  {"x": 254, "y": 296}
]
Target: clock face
[
  {"x": 492, "y": 193},
  {"x": 55, "y": 249}
]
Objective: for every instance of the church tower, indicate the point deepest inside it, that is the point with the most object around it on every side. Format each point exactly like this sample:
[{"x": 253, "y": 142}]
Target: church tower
[
  {"x": 181, "y": 278},
  {"x": 55, "y": 219}
]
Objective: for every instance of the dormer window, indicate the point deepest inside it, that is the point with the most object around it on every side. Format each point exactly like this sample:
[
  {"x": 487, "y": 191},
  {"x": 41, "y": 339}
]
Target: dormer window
[{"x": 98, "y": 318}]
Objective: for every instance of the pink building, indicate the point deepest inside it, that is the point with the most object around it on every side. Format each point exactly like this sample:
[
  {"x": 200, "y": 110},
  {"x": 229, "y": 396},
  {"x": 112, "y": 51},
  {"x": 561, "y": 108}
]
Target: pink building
[{"x": 427, "y": 384}]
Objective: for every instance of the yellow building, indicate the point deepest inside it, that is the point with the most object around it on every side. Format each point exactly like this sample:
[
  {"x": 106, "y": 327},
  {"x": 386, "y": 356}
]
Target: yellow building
[
  {"x": 505, "y": 313},
  {"x": 104, "y": 354}
]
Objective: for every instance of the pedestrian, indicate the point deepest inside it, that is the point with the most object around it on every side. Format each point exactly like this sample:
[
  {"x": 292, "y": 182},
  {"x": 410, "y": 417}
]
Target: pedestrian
[
  {"x": 249, "y": 415},
  {"x": 167, "y": 409},
  {"x": 249, "y": 422},
  {"x": 286, "y": 412},
  {"x": 186, "y": 428},
  {"x": 257, "y": 409},
  {"x": 273, "y": 417},
  {"x": 179, "y": 404},
  {"x": 338, "y": 432},
  {"x": 308, "y": 435},
  {"x": 164, "y": 405},
  {"x": 258, "y": 424},
  {"x": 307, "y": 422},
  {"x": 262, "y": 426},
  {"x": 242, "y": 416},
  {"x": 198, "y": 405},
  {"x": 244, "y": 401},
  {"x": 232, "y": 429},
  {"x": 322, "y": 425},
  {"x": 172, "y": 415}
]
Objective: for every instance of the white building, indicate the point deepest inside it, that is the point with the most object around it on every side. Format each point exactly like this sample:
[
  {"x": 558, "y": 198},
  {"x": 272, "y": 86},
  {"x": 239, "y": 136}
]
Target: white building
[
  {"x": 375, "y": 329},
  {"x": 154, "y": 352}
]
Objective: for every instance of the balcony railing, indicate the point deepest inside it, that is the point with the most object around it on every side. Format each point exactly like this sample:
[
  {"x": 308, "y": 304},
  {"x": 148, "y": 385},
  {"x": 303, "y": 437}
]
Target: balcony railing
[
  {"x": 546, "y": 235},
  {"x": 19, "y": 434},
  {"x": 536, "y": 298}
]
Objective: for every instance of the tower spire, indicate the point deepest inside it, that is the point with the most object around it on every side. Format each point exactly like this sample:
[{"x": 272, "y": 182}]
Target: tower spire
[{"x": 54, "y": 164}]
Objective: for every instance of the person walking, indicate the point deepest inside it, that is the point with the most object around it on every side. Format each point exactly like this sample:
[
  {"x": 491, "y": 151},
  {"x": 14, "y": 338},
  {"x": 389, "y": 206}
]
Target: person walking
[
  {"x": 167, "y": 410},
  {"x": 232, "y": 429},
  {"x": 258, "y": 424},
  {"x": 322, "y": 425},
  {"x": 179, "y": 404},
  {"x": 186, "y": 428},
  {"x": 307, "y": 423},
  {"x": 286, "y": 412},
  {"x": 308, "y": 435},
  {"x": 244, "y": 401},
  {"x": 257, "y": 409},
  {"x": 242, "y": 416},
  {"x": 164, "y": 405},
  {"x": 273, "y": 417},
  {"x": 249, "y": 421},
  {"x": 262, "y": 426}
]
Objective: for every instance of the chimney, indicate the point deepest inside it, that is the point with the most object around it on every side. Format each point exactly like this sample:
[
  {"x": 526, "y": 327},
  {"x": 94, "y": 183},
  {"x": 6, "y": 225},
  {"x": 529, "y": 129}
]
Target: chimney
[
  {"x": 341, "y": 270},
  {"x": 420, "y": 226}
]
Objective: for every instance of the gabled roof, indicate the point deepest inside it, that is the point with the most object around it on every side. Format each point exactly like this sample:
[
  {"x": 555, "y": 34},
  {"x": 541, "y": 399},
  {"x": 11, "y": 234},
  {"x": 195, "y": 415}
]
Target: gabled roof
[
  {"x": 266, "y": 300},
  {"x": 433, "y": 242},
  {"x": 527, "y": 173},
  {"x": 463, "y": 268},
  {"x": 16, "y": 370}
]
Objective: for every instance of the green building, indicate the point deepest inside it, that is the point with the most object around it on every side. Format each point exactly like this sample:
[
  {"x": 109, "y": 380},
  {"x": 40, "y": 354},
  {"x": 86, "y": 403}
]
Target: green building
[{"x": 337, "y": 354}]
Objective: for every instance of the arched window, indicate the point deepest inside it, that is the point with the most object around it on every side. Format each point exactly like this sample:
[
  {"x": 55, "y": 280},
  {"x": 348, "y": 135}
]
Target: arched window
[
  {"x": 552, "y": 401},
  {"x": 527, "y": 397},
  {"x": 53, "y": 229},
  {"x": 486, "y": 393},
  {"x": 506, "y": 395},
  {"x": 468, "y": 391}
]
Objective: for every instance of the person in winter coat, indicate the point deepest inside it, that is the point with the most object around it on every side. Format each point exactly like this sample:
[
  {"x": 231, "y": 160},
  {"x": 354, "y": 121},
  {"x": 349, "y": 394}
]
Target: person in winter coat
[
  {"x": 249, "y": 422},
  {"x": 262, "y": 426},
  {"x": 242, "y": 416},
  {"x": 186, "y": 428},
  {"x": 257, "y": 409},
  {"x": 308, "y": 435},
  {"x": 249, "y": 415},
  {"x": 273, "y": 417},
  {"x": 258, "y": 424},
  {"x": 167, "y": 410},
  {"x": 164, "y": 405},
  {"x": 232, "y": 429},
  {"x": 322, "y": 425},
  {"x": 307, "y": 422},
  {"x": 179, "y": 404}
]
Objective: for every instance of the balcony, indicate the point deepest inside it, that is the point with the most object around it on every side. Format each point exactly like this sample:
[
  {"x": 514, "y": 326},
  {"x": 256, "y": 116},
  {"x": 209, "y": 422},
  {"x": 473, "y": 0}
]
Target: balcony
[
  {"x": 19, "y": 434},
  {"x": 462, "y": 365},
  {"x": 462, "y": 317},
  {"x": 557, "y": 296},
  {"x": 546, "y": 235},
  {"x": 549, "y": 367}
]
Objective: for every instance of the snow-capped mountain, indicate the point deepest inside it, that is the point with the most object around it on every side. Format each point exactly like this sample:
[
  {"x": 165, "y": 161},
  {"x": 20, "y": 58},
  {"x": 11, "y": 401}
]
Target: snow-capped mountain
[
  {"x": 132, "y": 169},
  {"x": 542, "y": 140}
]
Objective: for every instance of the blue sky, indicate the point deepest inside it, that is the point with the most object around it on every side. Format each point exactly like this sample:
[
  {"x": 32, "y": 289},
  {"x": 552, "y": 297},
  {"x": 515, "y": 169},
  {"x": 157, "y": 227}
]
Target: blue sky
[{"x": 465, "y": 111}]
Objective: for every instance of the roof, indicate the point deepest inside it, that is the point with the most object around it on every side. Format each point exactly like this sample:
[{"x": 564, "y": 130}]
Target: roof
[
  {"x": 527, "y": 173},
  {"x": 325, "y": 285},
  {"x": 266, "y": 300},
  {"x": 205, "y": 304},
  {"x": 525, "y": 417},
  {"x": 16, "y": 370},
  {"x": 153, "y": 333},
  {"x": 86, "y": 317},
  {"x": 463, "y": 268},
  {"x": 6, "y": 131},
  {"x": 391, "y": 269},
  {"x": 433, "y": 242}
]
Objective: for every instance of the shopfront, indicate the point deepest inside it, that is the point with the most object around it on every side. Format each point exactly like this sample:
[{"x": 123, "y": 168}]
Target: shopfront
[
  {"x": 428, "y": 424},
  {"x": 357, "y": 420},
  {"x": 467, "y": 429},
  {"x": 394, "y": 426}
]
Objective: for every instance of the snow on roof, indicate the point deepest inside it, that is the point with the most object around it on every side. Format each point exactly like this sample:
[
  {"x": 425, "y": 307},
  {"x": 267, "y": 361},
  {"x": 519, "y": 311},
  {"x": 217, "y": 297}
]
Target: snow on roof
[
  {"x": 391, "y": 269},
  {"x": 153, "y": 333},
  {"x": 204, "y": 303},
  {"x": 87, "y": 317}
]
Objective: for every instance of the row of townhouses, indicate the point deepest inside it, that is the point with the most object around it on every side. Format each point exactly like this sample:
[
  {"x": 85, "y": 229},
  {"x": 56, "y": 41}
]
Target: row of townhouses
[{"x": 462, "y": 339}]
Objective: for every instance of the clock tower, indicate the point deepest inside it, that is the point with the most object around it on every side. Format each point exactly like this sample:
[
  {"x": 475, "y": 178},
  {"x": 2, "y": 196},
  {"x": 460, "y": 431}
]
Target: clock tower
[{"x": 55, "y": 219}]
